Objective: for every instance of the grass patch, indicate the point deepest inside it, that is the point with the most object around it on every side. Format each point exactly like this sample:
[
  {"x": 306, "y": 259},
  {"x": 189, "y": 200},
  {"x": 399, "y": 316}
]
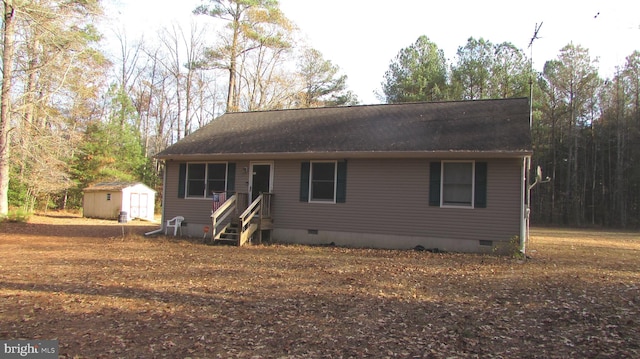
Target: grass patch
[{"x": 17, "y": 216}]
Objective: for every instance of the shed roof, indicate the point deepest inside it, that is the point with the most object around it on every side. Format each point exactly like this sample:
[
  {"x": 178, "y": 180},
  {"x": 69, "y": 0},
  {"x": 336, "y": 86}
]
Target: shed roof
[
  {"x": 481, "y": 126},
  {"x": 113, "y": 186}
]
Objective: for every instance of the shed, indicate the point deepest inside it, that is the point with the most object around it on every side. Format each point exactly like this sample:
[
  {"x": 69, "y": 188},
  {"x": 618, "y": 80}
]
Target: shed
[{"x": 108, "y": 199}]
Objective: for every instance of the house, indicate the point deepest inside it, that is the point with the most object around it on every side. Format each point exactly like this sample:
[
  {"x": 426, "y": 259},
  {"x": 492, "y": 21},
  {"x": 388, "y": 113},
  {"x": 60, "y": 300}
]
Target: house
[
  {"x": 445, "y": 175},
  {"x": 109, "y": 199}
]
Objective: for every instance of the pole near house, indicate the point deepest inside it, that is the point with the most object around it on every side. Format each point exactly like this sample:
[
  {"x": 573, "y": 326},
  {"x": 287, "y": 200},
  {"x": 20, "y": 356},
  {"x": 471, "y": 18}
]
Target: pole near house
[
  {"x": 526, "y": 208},
  {"x": 533, "y": 38}
]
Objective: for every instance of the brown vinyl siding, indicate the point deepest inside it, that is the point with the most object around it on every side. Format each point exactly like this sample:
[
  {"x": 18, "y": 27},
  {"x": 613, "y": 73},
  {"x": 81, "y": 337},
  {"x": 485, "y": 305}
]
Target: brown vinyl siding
[
  {"x": 195, "y": 210},
  {"x": 391, "y": 197},
  {"x": 383, "y": 196}
]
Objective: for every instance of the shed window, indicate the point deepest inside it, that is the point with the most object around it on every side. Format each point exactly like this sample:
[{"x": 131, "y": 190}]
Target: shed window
[
  {"x": 205, "y": 178},
  {"x": 108, "y": 196}
]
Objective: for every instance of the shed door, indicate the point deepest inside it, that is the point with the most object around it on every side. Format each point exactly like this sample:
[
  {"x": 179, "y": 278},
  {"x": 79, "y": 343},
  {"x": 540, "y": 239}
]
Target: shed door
[
  {"x": 134, "y": 210},
  {"x": 139, "y": 205},
  {"x": 143, "y": 203}
]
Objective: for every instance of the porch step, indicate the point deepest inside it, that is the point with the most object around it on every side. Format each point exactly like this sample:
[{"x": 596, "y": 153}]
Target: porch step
[
  {"x": 226, "y": 242},
  {"x": 230, "y": 236}
]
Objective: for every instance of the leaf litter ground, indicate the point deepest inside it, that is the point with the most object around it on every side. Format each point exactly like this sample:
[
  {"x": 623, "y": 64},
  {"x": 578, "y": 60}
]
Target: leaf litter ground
[{"x": 105, "y": 291}]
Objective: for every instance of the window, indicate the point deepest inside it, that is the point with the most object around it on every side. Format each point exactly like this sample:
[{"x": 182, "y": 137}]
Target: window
[
  {"x": 216, "y": 178},
  {"x": 323, "y": 181},
  {"x": 108, "y": 196},
  {"x": 457, "y": 184},
  {"x": 205, "y": 178},
  {"x": 196, "y": 179}
]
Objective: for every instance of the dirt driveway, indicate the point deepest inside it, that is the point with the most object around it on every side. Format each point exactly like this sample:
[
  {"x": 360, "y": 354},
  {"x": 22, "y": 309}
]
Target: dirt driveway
[{"x": 103, "y": 294}]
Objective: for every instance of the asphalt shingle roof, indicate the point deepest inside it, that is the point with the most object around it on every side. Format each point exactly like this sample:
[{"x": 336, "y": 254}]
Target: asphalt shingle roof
[
  {"x": 461, "y": 126},
  {"x": 109, "y": 186}
]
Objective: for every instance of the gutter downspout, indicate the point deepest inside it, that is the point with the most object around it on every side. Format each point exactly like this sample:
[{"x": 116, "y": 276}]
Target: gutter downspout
[
  {"x": 155, "y": 231},
  {"x": 525, "y": 208}
]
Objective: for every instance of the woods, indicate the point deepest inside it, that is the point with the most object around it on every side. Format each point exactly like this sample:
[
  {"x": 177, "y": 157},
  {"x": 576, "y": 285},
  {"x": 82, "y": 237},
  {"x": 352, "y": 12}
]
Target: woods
[
  {"x": 586, "y": 130},
  {"x": 75, "y": 112}
]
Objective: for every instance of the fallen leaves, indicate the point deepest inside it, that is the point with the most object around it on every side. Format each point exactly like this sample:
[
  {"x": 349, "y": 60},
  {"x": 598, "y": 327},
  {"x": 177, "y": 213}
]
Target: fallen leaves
[{"x": 104, "y": 296}]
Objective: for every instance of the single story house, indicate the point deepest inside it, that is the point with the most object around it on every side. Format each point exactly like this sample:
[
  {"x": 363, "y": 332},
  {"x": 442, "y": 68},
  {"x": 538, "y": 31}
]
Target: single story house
[
  {"x": 440, "y": 175},
  {"x": 109, "y": 199}
]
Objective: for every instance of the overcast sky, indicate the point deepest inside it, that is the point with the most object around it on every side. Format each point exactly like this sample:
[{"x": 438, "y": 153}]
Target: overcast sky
[{"x": 363, "y": 36}]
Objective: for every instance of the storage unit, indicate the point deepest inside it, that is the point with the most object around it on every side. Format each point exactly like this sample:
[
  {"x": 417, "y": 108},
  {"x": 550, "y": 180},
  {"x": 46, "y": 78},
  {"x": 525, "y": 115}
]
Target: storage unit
[{"x": 123, "y": 201}]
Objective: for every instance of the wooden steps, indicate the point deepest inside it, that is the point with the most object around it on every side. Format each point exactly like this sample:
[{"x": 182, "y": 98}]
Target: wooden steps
[{"x": 249, "y": 226}]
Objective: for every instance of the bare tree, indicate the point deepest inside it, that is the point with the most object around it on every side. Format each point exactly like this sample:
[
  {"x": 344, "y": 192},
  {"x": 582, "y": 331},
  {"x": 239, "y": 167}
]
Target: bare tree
[
  {"x": 7, "y": 61},
  {"x": 53, "y": 90}
]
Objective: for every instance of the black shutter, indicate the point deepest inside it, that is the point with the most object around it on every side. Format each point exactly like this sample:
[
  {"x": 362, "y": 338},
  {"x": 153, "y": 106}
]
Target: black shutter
[
  {"x": 182, "y": 178},
  {"x": 341, "y": 185},
  {"x": 231, "y": 179},
  {"x": 305, "y": 169},
  {"x": 434, "y": 183},
  {"x": 480, "y": 200}
]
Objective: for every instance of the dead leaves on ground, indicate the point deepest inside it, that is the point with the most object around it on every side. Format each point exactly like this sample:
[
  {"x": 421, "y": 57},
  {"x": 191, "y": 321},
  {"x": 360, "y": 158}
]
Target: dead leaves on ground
[{"x": 110, "y": 297}]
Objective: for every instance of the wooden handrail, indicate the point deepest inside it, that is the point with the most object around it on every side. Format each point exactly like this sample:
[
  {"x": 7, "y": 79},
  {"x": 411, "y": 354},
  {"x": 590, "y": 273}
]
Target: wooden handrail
[
  {"x": 260, "y": 207},
  {"x": 251, "y": 207},
  {"x": 222, "y": 213},
  {"x": 247, "y": 228}
]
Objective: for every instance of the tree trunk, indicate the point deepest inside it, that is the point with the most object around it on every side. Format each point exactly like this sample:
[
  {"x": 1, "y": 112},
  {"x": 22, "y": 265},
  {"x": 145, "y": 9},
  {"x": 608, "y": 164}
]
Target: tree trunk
[
  {"x": 7, "y": 60},
  {"x": 619, "y": 172},
  {"x": 232, "y": 82},
  {"x": 233, "y": 59}
]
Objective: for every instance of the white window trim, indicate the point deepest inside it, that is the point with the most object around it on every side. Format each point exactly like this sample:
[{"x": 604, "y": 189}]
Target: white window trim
[
  {"x": 473, "y": 184},
  {"x": 206, "y": 178},
  {"x": 335, "y": 182}
]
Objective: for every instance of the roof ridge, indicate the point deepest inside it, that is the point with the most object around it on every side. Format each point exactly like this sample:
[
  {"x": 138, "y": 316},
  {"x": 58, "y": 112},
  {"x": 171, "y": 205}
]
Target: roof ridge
[
  {"x": 375, "y": 105},
  {"x": 487, "y": 125}
]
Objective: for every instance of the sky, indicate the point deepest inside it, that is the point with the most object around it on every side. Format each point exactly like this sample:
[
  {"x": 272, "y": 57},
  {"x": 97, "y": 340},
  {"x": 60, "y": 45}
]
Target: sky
[{"x": 362, "y": 37}]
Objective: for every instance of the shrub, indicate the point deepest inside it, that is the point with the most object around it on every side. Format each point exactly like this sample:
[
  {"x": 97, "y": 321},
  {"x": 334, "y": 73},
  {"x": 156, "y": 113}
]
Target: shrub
[
  {"x": 17, "y": 215},
  {"x": 510, "y": 248}
]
